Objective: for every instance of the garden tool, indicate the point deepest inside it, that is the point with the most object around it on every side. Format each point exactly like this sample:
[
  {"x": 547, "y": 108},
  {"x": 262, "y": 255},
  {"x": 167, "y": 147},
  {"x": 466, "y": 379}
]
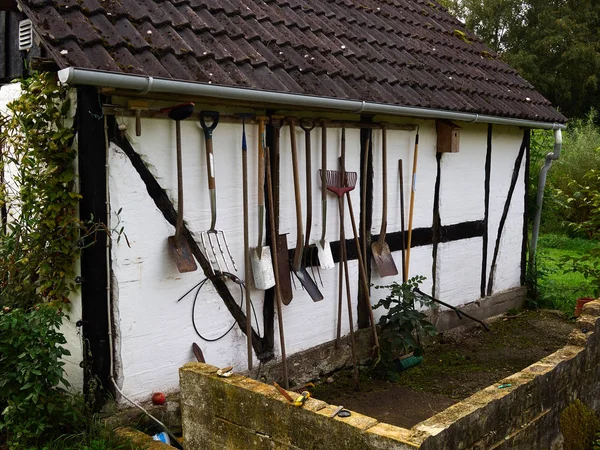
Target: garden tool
[
  {"x": 298, "y": 267},
  {"x": 323, "y": 247},
  {"x": 381, "y": 250},
  {"x": 138, "y": 106},
  {"x": 276, "y": 271},
  {"x": 341, "y": 182},
  {"x": 247, "y": 268},
  {"x": 212, "y": 235},
  {"x": 198, "y": 353},
  {"x": 262, "y": 266},
  {"x": 184, "y": 259},
  {"x": 401, "y": 171},
  {"x": 363, "y": 200},
  {"x": 307, "y": 125},
  {"x": 363, "y": 275},
  {"x": 282, "y": 253},
  {"x": 413, "y": 190}
]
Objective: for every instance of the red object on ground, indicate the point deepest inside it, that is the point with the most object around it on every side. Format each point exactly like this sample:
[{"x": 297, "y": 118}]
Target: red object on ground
[
  {"x": 580, "y": 302},
  {"x": 158, "y": 398}
]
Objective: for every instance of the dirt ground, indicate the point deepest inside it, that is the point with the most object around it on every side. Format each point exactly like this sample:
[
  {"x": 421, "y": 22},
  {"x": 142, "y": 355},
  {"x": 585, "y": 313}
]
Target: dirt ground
[{"x": 453, "y": 368}]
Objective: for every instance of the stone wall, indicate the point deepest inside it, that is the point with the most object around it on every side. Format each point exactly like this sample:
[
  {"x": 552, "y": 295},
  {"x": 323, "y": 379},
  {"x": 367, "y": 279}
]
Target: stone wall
[{"x": 239, "y": 412}]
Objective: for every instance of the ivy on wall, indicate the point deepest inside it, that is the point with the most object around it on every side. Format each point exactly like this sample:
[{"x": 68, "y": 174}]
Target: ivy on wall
[{"x": 40, "y": 237}]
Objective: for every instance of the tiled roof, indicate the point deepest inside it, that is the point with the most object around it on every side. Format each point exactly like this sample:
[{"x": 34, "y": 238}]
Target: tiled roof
[{"x": 400, "y": 52}]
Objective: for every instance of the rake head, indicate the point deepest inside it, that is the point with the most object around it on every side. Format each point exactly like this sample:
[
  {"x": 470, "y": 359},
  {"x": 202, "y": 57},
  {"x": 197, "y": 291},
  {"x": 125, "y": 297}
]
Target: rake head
[
  {"x": 340, "y": 182},
  {"x": 211, "y": 241}
]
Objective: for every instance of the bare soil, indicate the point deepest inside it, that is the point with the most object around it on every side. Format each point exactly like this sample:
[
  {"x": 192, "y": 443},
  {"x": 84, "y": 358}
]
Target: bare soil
[{"x": 453, "y": 368}]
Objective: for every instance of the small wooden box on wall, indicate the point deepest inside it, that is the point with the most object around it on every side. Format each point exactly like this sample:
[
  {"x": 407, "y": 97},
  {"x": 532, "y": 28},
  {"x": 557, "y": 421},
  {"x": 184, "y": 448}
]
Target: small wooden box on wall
[{"x": 448, "y": 136}]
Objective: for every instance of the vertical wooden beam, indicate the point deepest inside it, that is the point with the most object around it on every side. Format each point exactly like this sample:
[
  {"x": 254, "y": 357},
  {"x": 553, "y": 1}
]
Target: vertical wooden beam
[
  {"x": 486, "y": 216},
  {"x": 526, "y": 208}
]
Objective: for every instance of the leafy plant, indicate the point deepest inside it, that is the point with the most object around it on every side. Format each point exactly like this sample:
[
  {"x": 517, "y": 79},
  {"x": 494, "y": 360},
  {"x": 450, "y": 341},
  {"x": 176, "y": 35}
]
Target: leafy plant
[
  {"x": 578, "y": 425},
  {"x": 32, "y": 395},
  {"x": 402, "y": 325}
]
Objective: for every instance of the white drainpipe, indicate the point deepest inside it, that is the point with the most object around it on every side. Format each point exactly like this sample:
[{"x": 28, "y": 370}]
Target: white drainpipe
[{"x": 550, "y": 158}]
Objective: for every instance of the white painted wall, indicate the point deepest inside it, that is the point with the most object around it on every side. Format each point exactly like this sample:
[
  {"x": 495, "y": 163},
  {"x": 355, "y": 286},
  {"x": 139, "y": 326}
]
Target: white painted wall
[
  {"x": 155, "y": 332},
  {"x": 72, "y": 367}
]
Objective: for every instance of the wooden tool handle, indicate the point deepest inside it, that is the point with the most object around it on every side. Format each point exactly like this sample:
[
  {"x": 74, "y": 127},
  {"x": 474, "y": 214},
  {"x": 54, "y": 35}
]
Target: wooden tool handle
[
  {"x": 298, "y": 251},
  {"x": 210, "y": 163},
  {"x": 384, "y": 180},
  {"x": 261, "y": 161}
]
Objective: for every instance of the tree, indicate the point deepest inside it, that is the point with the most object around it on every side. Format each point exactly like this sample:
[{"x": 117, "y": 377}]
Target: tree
[{"x": 554, "y": 44}]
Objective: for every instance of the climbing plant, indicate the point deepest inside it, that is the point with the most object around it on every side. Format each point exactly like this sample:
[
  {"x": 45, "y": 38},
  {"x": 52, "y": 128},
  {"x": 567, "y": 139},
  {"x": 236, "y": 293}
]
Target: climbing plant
[{"x": 41, "y": 229}]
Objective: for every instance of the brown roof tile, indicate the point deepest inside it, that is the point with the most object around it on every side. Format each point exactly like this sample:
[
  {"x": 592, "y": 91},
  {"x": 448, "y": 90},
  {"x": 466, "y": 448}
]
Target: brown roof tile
[{"x": 400, "y": 52}]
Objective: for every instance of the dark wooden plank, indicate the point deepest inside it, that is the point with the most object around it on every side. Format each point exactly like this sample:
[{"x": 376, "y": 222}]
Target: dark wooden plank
[{"x": 2, "y": 44}]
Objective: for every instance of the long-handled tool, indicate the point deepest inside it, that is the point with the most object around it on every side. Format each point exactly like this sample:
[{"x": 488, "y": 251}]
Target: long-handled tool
[
  {"x": 363, "y": 274},
  {"x": 459, "y": 312},
  {"x": 212, "y": 235},
  {"x": 340, "y": 182},
  {"x": 285, "y": 281},
  {"x": 363, "y": 199},
  {"x": 308, "y": 125},
  {"x": 413, "y": 191},
  {"x": 381, "y": 250},
  {"x": 298, "y": 267},
  {"x": 247, "y": 268},
  {"x": 180, "y": 249},
  {"x": 262, "y": 266},
  {"x": 323, "y": 247},
  {"x": 278, "y": 299},
  {"x": 402, "y": 230}
]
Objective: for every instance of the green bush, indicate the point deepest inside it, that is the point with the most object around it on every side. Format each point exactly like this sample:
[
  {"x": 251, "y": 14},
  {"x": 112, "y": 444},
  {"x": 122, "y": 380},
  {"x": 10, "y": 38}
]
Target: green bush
[
  {"x": 32, "y": 397},
  {"x": 578, "y": 425}
]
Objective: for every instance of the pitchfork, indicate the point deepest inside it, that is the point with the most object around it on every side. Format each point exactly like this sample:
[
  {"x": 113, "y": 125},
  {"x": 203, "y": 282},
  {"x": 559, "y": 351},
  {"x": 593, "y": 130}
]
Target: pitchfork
[{"x": 212, "y": 235}]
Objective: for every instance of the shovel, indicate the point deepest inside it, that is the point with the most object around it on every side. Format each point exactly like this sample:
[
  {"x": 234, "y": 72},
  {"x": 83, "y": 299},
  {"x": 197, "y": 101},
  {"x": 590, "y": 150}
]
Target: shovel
[
  {"x": 298, "y": 267},
  {"x": 381, "y": 250},
  {"x": 260, "y": 257},
  {"x": 179, "y": 247},
  {"x": 323, "y": 247},
  {"x": 283, "y": 263}
]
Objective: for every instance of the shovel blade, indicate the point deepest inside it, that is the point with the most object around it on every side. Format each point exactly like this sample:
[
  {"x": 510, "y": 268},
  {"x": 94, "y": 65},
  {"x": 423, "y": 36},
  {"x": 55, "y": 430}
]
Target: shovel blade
[
  {"x": 383, "y": 259},
  {"x": 262, "y": 268},
  {"x": 324, "y": 254},
  {"x": 182, "y": 254},
  {"x": 283, "y": 264},
  {"x": 309, "y": 284}
]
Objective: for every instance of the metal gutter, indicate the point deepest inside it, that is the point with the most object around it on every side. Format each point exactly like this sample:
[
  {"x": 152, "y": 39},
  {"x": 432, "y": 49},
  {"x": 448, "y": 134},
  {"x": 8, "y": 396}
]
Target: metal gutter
[{"x": 146, "y": 84}]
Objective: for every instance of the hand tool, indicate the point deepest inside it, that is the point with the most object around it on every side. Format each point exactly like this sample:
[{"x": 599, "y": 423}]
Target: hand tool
[
  {"x": 247, "y": 264},
  {"x": 413, "y": 191},
  {"x": 262, "y": 266},
  {"x": 308, "y": 125},
  {"x": 380, "y": 249},
  {"x": 276, "y": 270},
  {"x": 297, "y": 267},
  {"x": 402, "y": 230},
  {"x": 323, "y": 247},
  {"x": 285, "y": 281},
  {"x": 206, "y": 237},
  {"x": 179, "y": 247},
  {"x": 198, "y": 353}
]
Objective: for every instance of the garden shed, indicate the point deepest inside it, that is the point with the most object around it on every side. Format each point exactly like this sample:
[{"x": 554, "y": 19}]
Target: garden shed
[{"x": 405, "y": 70}]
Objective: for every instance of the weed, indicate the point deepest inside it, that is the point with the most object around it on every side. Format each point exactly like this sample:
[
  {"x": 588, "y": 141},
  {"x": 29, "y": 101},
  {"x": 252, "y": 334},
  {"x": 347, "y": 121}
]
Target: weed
[{"x": 578, "y": 425}]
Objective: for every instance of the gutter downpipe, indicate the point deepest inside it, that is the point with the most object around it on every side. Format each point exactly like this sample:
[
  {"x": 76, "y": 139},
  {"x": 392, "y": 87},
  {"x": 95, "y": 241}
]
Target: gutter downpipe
[
  {"x": 550, "y": 158},
  {"x": 146, "y": 84}
]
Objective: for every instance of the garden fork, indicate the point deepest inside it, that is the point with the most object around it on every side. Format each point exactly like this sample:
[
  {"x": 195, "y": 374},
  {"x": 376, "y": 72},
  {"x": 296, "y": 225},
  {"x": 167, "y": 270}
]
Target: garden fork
[{"x": 213, "y": 236}]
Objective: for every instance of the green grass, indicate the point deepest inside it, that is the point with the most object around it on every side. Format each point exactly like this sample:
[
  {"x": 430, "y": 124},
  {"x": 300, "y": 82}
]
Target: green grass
[{"x": 558, "y": 285}]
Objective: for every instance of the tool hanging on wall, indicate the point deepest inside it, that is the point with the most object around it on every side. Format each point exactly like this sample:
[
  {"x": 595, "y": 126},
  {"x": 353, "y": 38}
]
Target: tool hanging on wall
[
  {"x": 282, "y": 254},
  {"x": 323, "y": 247},
  {"x": 341, "y": 182},
  {"x": 180, "y": 249},
  {"x": 308, "y": 125},
  {"x": 262, "y": 265},
  {"x": 247, "y": 264},
  {"x": 402, "y": 230},
  {"x": 278, "y": 299},
  {"x": 138, "y": 106},
  {"x": 363, "y": 276},
  {"x": 380, "y": 249},
  {"x": 212, "y": 235},
  {"x": 363, "y": 200},
  {"x": 413, "y": 191},
  {"x": 298, "y": 268}
]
